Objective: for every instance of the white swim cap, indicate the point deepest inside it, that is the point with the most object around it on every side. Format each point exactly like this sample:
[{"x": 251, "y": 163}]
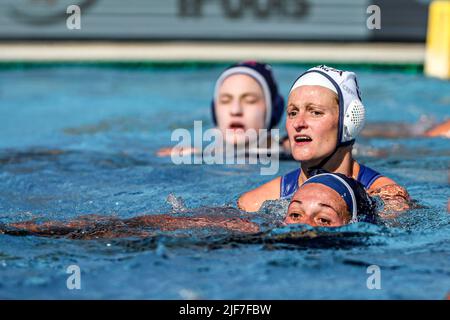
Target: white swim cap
[{"x": 345, "y": 85}]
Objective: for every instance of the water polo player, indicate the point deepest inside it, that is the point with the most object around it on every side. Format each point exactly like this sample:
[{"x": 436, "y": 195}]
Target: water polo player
[
  {"x": 330, "y": 200},
  {"x": 246, "y": 97},
  {"x": 324, "y": 200},
  {"x": 324, "y": 116}
]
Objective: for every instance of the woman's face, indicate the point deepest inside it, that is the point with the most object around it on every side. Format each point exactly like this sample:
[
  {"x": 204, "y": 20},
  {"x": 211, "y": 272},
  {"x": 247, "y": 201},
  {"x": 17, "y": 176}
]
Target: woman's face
[
  {"x": 312, "y": 123},
  {"x": 240, "y": 106},
  {"x": 318, "y": 206}
]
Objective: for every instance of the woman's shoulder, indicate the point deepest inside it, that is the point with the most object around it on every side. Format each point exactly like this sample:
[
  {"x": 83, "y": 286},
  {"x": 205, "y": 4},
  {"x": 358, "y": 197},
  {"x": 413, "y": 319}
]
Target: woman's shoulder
[
  {"x": 379, "y": 181},
  {"x": 394, "y": 196},
  {"x": 382, "y": 181}
]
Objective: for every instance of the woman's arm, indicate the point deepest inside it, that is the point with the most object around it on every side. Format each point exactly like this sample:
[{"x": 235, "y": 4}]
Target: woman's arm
[
  {"x": 179, "y": 151},
  {"x": 395, "y": 197},
  {"x": 441, "y": 130},
  {"x": 95, "y": 227},
  {"x": 168, "y": 223}
]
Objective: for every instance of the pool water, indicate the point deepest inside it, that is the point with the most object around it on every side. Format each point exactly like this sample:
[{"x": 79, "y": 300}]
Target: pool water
[{"x": 81, "y": 139}]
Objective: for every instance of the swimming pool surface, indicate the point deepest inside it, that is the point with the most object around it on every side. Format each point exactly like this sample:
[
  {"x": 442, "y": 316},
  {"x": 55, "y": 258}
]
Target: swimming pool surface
[{"x": 82, "y": 139}]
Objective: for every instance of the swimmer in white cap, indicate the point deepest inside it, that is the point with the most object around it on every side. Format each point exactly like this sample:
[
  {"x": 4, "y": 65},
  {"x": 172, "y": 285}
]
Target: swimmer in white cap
[{"x": 325, "y": 114}]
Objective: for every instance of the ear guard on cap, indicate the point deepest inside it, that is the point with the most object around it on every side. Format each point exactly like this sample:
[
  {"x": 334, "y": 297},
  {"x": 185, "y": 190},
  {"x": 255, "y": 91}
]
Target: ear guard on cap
[
  {"x": 354, "y": 119},
  {"x": 277, "y": 111},
  {"x": 213, "y": 112}
]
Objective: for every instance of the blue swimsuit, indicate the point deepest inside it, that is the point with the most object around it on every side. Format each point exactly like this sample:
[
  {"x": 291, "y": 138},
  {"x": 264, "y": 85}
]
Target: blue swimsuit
[{"x": 289, "y": 182}]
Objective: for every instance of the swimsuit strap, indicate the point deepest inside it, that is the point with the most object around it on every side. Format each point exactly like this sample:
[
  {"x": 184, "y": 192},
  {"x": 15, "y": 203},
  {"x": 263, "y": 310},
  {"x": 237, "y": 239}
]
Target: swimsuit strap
[
  {"x": 367, "y": 176},
  {"x": 289, "y": 183}
]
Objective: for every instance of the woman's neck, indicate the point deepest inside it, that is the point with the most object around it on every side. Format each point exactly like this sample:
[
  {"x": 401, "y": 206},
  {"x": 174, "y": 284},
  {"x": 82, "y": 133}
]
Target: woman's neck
[{"x": 341, "y": 162}]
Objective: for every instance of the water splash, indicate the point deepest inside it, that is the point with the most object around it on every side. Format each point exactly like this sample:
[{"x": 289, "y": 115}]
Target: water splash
[{"x": 177, "y": 203}]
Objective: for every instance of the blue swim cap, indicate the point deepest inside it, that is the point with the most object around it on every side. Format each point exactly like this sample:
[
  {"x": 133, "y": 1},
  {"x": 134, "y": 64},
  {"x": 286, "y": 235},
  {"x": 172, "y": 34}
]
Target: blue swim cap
[
  {"x": 262, "y": 73},
  {"x": 357, "y": 200}
]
